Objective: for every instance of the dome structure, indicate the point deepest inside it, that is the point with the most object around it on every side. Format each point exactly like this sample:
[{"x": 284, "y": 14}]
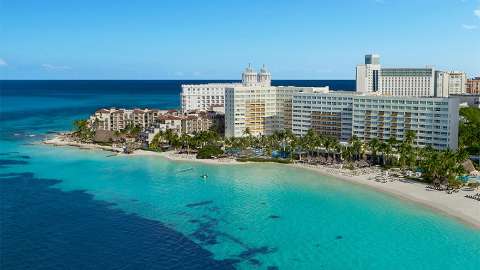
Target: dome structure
[
  {"x": 264, "y": 77},
  {"x": 249, "y": 76}
]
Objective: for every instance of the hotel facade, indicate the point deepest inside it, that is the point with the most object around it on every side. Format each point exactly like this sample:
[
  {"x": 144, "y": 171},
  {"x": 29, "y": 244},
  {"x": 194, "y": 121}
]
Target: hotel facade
[
  {"x": 410, "y": 82},
  {"x": 345, "y": 114},
  {"x": 386, "y": 104},
  {"x": 258, "y": 107},
  {"x": 148, "y": 119},
  {"x": 204, "y": 97}
]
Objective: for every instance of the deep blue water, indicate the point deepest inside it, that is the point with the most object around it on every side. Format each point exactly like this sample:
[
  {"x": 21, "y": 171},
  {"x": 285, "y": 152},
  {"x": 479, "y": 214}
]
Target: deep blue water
[
  {"x": 46, "y": 228},
  {"x": 42, "y": 227},
  {"x": 65, "y": 208}
]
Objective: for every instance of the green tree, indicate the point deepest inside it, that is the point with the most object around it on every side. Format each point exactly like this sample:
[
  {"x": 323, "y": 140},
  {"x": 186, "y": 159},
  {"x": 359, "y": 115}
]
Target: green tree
[
  {"x": 82, "y": 130},
  {"x": 209, "y": 151},
  {"x": 407, "y": 152},
  {"x": 469, "y": 130},
  {"x": 373, "y": 146}
]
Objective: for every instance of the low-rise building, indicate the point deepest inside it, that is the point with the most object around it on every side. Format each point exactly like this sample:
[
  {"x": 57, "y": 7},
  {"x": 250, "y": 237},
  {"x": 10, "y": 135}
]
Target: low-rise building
[
  {"x": 196, "y": 122},
  {"x": 118, "y": 119},
  {"x": 473, "y": 85}
]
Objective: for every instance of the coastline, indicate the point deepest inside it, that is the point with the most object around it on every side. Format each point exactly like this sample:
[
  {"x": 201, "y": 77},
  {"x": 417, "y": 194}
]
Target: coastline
[
  {"x": 62, "y": 140},
  {"x": 171, "y": 155},
  {"x": 453, "y": 205}
]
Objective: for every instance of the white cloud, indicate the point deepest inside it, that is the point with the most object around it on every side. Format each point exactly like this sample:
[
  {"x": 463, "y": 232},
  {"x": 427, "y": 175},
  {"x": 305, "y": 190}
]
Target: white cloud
[
  {"x": 53, "y": 67},
  {"x": 179, "y": 74},
  {"x": 469, "y": 26},
  {"x": 476, "y": 12},
  {"x": 3, "y": 62}
]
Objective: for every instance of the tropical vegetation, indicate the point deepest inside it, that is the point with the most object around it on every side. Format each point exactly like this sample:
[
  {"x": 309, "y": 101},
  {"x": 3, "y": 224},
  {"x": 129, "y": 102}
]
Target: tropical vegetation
[
  {"x": 438, "y": 167},
  {"x": 469, "y": 129},
  {"x": 82, "y": 131}
]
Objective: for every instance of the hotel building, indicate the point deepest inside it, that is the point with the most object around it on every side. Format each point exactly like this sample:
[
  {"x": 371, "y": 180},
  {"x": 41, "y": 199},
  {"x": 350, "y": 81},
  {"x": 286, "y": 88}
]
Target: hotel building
[
  {"x": 204, "y": 97},
  {"x": 327, "y": 113},
  {"x": 450, "y": 82},
  {"x": 388, "y": 102},
  {"x": 211, "y": 96},
  {"x": 367, "y": 116},
  {"x": 418, "y": 82},
  {"x": 411, "y": 82},
  {"x": 367, "y": 75},
  {"x": 117, "y": 119},
  {"x": 257, "y": 106}
]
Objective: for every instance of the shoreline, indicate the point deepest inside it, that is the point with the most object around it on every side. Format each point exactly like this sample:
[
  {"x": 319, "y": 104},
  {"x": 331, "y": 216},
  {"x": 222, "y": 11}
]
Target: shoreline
[
  {"x": 170, "y": 155},
  {"x": 453, "y": 205}
]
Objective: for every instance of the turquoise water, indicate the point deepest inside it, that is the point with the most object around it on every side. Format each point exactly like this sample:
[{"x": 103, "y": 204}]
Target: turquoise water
[
  {"x": 260, "y": 216},
  {"x": 298, "y": 219}
]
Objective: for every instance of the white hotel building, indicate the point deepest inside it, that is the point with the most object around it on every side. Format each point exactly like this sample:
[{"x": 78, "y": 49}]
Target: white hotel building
[
  {"x": 257, "y": 106},
  {"x": 450, "y": 82},
  {"x": 204, "y": 97},
  {"x": 411, "y": 82},
  {"x": 387, "y": 103},
  {"x": 366, "y": 115}
]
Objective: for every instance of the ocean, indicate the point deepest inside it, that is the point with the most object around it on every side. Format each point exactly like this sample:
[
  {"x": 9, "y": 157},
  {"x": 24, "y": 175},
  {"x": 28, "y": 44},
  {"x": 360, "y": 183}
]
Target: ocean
[{"x": 68, "y": 208}]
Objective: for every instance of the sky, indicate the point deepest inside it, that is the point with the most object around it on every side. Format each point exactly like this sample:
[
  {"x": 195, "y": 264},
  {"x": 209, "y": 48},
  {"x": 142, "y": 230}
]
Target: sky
[{"x": 209, "y": 39}]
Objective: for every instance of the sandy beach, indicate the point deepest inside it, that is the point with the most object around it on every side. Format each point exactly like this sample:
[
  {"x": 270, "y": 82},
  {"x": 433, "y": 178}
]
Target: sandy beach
[
  {"x": 63, "y": 140},
  {"x": 455, "y": 204}
]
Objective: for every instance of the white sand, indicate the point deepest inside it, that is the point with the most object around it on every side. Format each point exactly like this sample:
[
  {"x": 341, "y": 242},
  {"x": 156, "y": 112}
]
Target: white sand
[
  {"x": 64, "y": 140},
  {"x": 171, "y": 155},
  {"x": 455, "y": 205}
]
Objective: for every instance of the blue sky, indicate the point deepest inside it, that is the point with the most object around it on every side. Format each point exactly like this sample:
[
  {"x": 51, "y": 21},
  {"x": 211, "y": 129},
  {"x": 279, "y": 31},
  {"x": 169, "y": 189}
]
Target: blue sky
[{"x": 163, "y": 39}]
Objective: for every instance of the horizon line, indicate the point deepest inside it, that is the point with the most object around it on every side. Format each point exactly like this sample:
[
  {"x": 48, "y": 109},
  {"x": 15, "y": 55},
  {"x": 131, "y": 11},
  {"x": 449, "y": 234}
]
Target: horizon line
[{"x": 239, "y": 80}]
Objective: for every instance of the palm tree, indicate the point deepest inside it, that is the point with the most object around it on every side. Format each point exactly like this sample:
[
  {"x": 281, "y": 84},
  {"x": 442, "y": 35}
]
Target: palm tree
[
  {"x": 393, "y": 143},
  {"x": 335, "y": 146},
  {"x": 357, "y": 147},
  {"x": 386, "y": 150},
  {"x": 308, "y": 141},
  {"x": 409, "y": 136},
  {"x": 347, "y": 153},
  {"x": 328, "y": 144},
  {"x": 441, "y": 167},
  {"x": 406, "y": 151},
  {"x": 186, "y": 141},
  {"x": 373, "y": 146},
  {"x": 247, "y": 132},
  {"x": 155, "y": 144}
]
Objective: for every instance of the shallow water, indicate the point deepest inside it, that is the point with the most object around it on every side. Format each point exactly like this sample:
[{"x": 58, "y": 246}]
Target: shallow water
[{"x": 66, "y": 207}]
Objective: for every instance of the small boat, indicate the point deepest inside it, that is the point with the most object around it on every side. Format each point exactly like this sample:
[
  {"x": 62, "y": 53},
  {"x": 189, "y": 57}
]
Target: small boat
[{"x": 204, "y": 176}]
